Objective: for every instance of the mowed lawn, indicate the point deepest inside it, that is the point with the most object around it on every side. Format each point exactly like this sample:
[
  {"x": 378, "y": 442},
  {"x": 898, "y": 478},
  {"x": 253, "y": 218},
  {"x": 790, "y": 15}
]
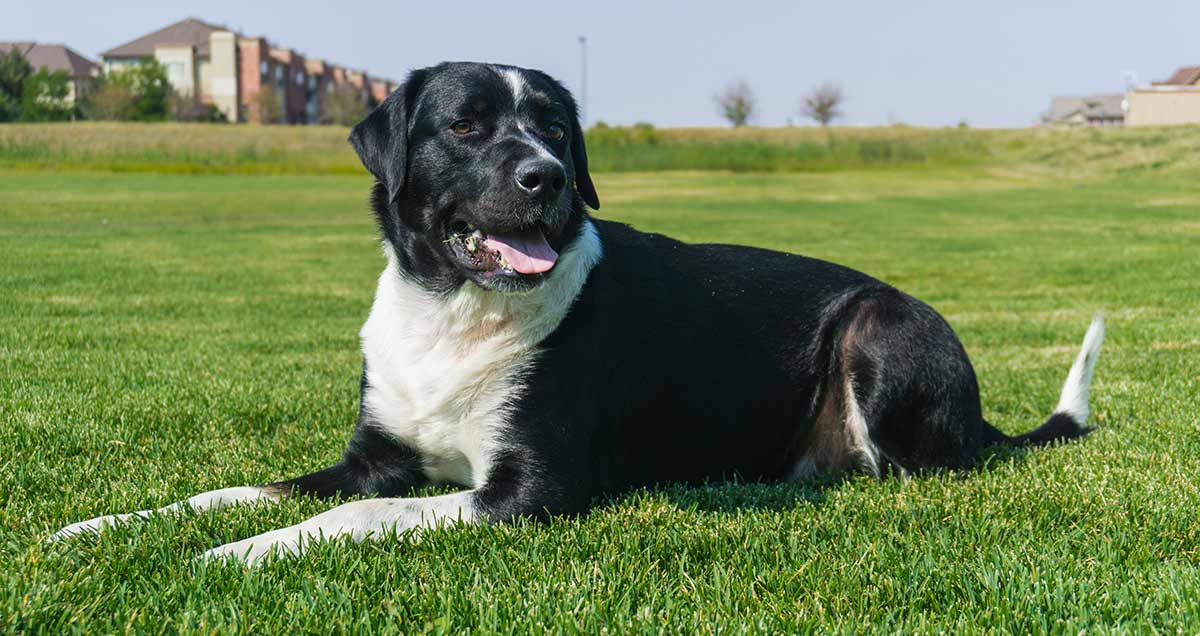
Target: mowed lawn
[{"x": 166, "y": 335}]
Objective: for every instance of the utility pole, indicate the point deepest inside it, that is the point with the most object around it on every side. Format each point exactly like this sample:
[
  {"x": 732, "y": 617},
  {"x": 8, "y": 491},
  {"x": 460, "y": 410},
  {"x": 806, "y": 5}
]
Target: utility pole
[{"x": 583, "y": 81}]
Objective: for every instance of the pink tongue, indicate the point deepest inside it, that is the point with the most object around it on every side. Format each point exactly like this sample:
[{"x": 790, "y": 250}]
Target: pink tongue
[{"x": 527, "y": 252}]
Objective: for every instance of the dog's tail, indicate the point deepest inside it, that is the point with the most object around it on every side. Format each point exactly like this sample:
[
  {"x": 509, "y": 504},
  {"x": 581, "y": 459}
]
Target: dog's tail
[{"x": 1069, "y": 419}]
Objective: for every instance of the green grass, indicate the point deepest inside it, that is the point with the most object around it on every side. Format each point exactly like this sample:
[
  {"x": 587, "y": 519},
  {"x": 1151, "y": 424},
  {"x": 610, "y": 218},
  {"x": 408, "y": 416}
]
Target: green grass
[{"x": 161, "y": 335}]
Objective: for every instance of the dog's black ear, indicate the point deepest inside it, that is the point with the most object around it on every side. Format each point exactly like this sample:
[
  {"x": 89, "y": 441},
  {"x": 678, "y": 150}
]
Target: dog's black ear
[
  {"x": 579, "y": 158},
  {"x": 583, "y": 179},
  {"x": 381, "y": 140}
]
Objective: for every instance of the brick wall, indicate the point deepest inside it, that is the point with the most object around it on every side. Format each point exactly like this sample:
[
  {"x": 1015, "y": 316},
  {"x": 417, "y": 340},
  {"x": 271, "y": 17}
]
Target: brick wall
[
  {"x": 379, "y": 90},
  {"x": 252, "y": 52},
  {"x": 296, "y": 94},
  {"x": 320, "y": 78}
]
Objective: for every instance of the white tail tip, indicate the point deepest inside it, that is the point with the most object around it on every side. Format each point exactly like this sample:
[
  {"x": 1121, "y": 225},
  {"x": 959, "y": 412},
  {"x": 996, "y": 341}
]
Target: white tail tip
[{"x": 1074, "y": 398}]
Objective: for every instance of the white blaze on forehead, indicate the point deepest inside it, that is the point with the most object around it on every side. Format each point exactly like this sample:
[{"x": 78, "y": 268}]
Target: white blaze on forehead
[{"x": 516, "y": 83}]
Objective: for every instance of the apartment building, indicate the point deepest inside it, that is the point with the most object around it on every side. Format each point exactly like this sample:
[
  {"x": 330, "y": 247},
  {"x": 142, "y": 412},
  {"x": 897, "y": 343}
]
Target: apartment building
[
  {"x": 1173, "y": 102},
  {"x": 219, "y": 66}
]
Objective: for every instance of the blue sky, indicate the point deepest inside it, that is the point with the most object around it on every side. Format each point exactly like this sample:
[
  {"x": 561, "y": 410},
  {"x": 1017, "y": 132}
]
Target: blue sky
[{"x": 921, "y": 62}]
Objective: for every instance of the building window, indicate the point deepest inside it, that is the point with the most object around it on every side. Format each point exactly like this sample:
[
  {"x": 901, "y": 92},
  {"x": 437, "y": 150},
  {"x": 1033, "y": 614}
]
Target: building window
[
  {"x": 299, "y": 78},
  {"x": 174, "y": 73},
  {"x": 119, "y": 65},
  {"x": 263, "y": 72}
]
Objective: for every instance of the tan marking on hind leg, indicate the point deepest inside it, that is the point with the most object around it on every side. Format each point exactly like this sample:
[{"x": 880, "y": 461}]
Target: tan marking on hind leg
[
  {"x": 824, "y": 448},
  {"x": 862, "y": 451},
  {"x": 839, "y": 439}
]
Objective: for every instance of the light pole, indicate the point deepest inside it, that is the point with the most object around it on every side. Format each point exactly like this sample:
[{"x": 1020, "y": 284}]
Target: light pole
[{"x": 583, "y": 81}]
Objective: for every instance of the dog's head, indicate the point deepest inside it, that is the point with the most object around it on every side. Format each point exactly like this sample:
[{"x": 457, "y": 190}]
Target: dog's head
[{"x": 481, "y": 174}]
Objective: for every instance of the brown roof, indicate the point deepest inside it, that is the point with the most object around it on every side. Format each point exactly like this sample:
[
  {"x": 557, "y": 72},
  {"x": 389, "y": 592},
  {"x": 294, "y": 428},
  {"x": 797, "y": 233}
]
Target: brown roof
[
  {"x": 187, "y": 31},
  {"x": 1185, "y": 76},
  {"x": 282, "y": 55},
  {"x": 54, "y": 57}
]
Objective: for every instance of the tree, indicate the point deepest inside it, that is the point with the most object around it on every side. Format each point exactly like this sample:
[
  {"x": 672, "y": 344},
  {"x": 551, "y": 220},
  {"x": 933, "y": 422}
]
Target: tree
[
  {"x": 187, "y": 108},
  {"x": 821, "y": 104},
  {"x": 109, "y": 100},
  {"x": 736, "y": 103},
  {"x": 14, "y": 70},
  {"x": 139, "y": 93},
  {"x": 151, "y": 91},
  {"x": 344, "y": 106},
  {"x": 269, "y": 105},
  {"x": 44, "y": 97}
]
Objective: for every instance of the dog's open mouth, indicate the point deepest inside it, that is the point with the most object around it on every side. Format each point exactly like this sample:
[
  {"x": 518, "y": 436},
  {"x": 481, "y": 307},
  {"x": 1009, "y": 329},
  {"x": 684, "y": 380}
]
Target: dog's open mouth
[{"x": 508, "y": 254}]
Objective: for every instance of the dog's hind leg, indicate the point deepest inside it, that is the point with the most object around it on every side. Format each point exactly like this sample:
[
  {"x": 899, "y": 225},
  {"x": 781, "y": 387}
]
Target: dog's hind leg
[
  {"x": 899, "y": 396},
  {"x": 840, "y": 436}
]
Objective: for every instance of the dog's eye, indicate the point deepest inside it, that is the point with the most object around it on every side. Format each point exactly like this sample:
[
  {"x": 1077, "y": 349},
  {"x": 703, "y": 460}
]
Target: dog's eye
[
  {"x": 555, "y": 132},
  {"x": 462, "y": 126}
]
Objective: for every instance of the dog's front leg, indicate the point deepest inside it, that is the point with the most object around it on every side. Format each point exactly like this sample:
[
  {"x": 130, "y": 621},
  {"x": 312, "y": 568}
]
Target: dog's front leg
[
  {"x": 211, "y": 500},
  {"x": 359, "y": 520},
  {"x": 510, "y": 493},
  {"x": 373, "y": 464}
]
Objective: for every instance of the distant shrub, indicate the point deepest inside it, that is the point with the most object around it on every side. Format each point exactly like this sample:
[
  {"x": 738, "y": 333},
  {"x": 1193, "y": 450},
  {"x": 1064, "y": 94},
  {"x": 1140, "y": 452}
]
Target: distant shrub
[
  {"x": 888, "y": 150},
  {"x": 737, "y": 103},
  {"x": 640, "y": 134},
  {"x": 151, "y": 91},
  {"x": 44, "y": 97},
  {"x": 14, "y": 70},
  {"x": 823, "y": 103},
  {"x": 186, "y": 108},
  {"x": 109, "y": 101},
  {"x": 344, "y": 107},
  {"x": 138, "y": 93},
  {"x": 268, "y": 105}
]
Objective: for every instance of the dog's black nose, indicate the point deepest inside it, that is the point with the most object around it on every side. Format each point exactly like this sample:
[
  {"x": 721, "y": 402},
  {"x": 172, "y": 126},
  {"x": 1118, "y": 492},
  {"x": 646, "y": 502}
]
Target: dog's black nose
[{"x": 541, "y": 178}]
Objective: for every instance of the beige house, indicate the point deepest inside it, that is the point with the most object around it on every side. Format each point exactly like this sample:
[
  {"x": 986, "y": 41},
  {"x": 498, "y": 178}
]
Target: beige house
[
  {"x": 58, "y": 57},
  {"x": 1174, "y": 102},
  {"x": 216, "y": 65},
  {"x": 200, "y": 60}
]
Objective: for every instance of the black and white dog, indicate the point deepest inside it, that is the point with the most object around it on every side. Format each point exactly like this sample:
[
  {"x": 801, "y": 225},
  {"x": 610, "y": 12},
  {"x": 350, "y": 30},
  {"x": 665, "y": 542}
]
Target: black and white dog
[{"x": 540, "y": 358}]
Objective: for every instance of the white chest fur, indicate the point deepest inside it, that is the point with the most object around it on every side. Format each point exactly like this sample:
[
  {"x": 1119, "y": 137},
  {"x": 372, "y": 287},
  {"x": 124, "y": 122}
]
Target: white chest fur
[{"x": 443, "y": 370}]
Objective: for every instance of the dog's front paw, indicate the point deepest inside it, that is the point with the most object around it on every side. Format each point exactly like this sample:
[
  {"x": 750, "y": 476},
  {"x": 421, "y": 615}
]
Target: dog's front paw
[
  {"x": 91, "y": 526},
  {"x": 253, "y": 550}
]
